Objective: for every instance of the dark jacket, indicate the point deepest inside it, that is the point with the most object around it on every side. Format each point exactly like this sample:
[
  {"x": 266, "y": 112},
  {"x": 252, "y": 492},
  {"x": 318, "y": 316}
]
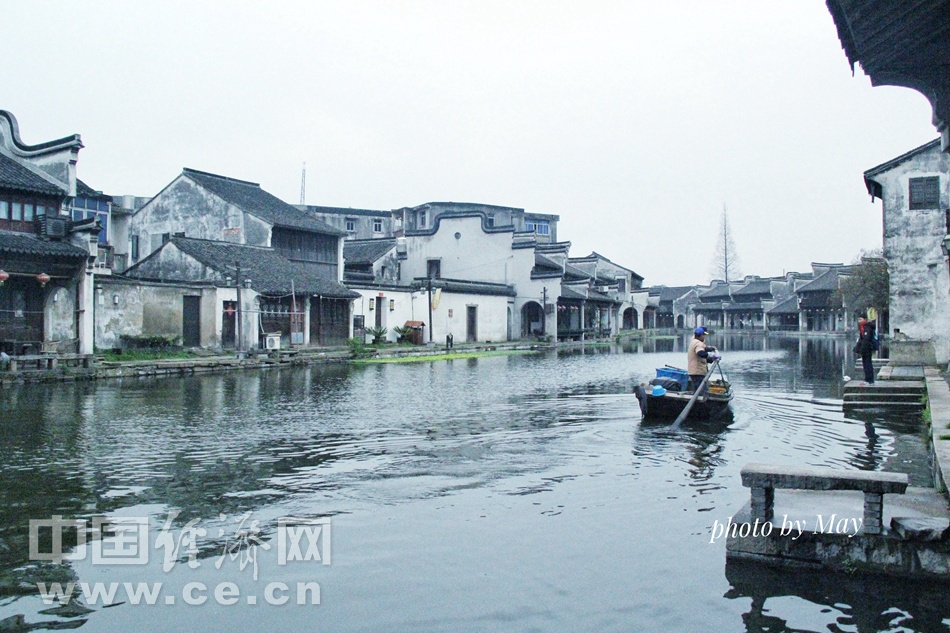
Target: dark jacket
[{"x": 867, "y": 340}]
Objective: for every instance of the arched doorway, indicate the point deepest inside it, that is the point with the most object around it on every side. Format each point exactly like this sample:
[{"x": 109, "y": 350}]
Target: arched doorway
[
  {"x": 532, "y": 319},
  {"x": 680, "y": 322},
  {"x": 630, "y": 319}
]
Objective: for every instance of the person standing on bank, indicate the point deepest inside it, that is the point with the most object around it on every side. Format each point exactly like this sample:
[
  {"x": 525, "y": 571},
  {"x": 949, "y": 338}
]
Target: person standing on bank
[
  {"x": 866, "y": 346},
  {"x": 698, "y": 358}
]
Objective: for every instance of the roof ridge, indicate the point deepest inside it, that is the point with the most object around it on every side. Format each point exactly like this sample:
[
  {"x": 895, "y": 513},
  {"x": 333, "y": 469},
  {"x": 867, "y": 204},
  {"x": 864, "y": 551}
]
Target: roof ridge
[
  {"x": 188, "y": 170},
  {"x": 222, "y": 242}
]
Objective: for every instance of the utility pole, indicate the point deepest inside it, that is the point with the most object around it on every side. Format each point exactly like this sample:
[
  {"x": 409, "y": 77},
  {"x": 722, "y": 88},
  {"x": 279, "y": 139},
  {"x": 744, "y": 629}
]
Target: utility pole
[
  {"x": 544, "y": 310},
  {"x": 240, "y": 325},
  {"x": 429, "y": 280},
  {"x": 303, "y": 184}
]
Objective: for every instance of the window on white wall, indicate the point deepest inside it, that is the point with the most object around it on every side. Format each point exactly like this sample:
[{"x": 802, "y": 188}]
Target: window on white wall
[
  {"x": 377, "y": 226},
  {"x": 537, "y": 226},
  {"x": 925, "y": 193}
]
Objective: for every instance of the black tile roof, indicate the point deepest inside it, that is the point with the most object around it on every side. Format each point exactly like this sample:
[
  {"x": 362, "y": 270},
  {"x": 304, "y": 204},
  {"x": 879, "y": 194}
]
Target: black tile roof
[
  {"x": 743, "y": 306},
  {"x": 826, "y": 281},
  {"x": 596, "y": 255},
  {"x": 569, "y": 293},
  {"x": 786, "y": 306},
  {"x": 344, "y": 211},
  {"x": 269, "y": 272},
  {"x": 596, "y": 295},
  {"x": 573, "y": 272},
  {"x": 252, "y": 199},
  {"x": 758, "y": 287},
  {"x": 668, "y": 293},
  {"x": 18, "y": 177},
  {"x": 901, "y": 44},
  {"x": 721, "y": 291},
  {"x": 475, "y": 287},
  {"x": 31, "y": 244},
  {"x": 545, "y": 268},
  {"x": 85, "y": 191},
  {"x": 366, "y": 251}
]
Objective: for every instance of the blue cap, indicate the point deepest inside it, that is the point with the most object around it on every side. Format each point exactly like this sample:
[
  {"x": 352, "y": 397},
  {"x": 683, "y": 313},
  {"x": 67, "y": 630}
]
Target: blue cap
[
  {"x": 700, "y": 331},
  {"x": 658, "y": 390}
]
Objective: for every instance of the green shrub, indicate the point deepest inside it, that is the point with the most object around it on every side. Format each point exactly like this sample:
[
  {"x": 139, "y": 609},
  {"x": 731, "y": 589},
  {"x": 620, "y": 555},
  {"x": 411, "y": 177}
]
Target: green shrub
[
  {"x": 358, "y": 348},
  {"x": 403, "y": 333},
  {"x": 378, "y": 333},
  {"x": 148, "y": 342}
]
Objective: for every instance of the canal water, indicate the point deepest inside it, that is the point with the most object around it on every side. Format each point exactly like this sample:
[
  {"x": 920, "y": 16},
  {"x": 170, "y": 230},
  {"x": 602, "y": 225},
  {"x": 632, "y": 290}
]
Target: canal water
[{"x": 504, "y": 493}]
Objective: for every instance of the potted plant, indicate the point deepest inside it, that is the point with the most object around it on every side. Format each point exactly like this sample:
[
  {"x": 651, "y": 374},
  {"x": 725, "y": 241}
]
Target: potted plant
[
  {"x": 378, "y": 333},
  {"x": 403, "y": 333}
]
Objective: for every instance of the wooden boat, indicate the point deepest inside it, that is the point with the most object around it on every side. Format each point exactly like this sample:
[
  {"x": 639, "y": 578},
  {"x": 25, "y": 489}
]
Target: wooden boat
[{"x": 666, "y": 396}]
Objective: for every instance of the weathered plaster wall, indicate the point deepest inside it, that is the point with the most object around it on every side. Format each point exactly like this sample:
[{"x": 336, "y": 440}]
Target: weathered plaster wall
[
  {"x": 449, "y": 317},
  {"x": 210, "y": 331},
  {"x": 919, "y": 279},
  {"x": 147, "y": 309},
  {"x": 387, "y": 268},
  {"x": 60, "y": 318},
  {"x": 170, "y": 264},
  {"x": 185, "y": 207}
]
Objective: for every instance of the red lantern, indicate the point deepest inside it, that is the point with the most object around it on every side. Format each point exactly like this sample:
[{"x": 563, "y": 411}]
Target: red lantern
[
  {"x": 43, "y": 278},
  {"x": 4, "y": 275}
]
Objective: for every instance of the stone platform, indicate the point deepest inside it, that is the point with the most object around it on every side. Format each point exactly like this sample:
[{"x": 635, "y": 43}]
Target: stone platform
[
  {"x": 824, "y": 529},
  {"x": 819, "y": 530}
]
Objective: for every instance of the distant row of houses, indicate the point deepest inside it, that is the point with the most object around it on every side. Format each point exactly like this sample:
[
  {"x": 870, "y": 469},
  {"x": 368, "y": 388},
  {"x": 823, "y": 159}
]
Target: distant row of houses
[
  {"x": 219, "y": 263},
  {"x": 800, "y": 302}
]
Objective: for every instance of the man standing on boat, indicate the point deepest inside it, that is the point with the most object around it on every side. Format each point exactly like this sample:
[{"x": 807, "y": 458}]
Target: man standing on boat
[{"x": 698, "y": 357}]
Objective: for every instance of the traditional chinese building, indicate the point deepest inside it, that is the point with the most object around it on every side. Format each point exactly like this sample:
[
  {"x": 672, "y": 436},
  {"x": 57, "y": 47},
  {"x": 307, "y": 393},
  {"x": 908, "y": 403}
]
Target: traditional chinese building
[{"x": 45, "y": 256}]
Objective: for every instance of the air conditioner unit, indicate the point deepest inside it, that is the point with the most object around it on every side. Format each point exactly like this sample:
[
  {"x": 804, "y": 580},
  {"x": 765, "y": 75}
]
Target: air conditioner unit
[
  {"x": 56, "y": 227},
  {"x": 272, "y": 341}
]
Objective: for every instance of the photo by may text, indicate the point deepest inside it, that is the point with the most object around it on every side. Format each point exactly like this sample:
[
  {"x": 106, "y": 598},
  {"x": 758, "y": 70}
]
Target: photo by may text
[{"x": 792, "y": 528}]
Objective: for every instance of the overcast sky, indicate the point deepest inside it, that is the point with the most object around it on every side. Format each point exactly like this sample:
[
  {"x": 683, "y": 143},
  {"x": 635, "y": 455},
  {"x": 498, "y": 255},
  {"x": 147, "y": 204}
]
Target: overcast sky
[{"x": 634, "y": 121}]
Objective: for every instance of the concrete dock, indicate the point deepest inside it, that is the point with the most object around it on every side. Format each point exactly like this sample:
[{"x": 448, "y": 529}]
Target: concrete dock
[{"x": 824, "y": 528}]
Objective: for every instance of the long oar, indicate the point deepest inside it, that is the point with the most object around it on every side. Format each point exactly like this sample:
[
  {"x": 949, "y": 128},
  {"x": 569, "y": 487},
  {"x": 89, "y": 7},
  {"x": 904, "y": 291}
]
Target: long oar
[{"x": 692, "y": 401}]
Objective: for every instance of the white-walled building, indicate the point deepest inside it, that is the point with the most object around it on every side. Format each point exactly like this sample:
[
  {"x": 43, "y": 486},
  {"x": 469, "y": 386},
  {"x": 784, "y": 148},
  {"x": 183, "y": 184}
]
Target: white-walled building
[
  {"x": 276, "y": 269},
  {"x": 46, "y": 258},
  {"x": 489, "y": 283},
  {"x": 481, "y": 281},
  {"x": 915, "y": 191}
]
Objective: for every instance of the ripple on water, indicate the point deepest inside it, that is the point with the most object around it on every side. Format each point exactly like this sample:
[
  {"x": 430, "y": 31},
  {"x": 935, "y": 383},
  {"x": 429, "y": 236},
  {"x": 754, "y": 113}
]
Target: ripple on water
[{"x": 625, "y": 505}]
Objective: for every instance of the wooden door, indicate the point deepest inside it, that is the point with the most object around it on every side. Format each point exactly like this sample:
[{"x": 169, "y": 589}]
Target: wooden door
[
  {"x": 471, "y": 324},
  {"x": 229, "y": 325},
  {"x": 191, "y": 322}
]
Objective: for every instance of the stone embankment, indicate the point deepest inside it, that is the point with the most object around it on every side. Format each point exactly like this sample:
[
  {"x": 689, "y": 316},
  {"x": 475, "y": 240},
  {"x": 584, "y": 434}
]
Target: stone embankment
[
  {"x": 40, "y": 369},
  {"x": 856, "y": 521}
]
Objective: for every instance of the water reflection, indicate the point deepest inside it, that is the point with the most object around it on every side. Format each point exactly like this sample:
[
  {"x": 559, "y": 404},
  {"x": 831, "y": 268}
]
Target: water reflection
[
  {"x": 810, "y": 600},
  {"x": 554, "y": 436}
]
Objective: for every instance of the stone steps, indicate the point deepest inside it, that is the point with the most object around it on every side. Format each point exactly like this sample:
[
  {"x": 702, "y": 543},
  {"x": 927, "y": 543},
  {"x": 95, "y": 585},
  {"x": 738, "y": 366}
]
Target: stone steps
[
  {"x": 890, "y": 406},
  {"x": 883, "y": 398},
  {"x": 905, "y": 395}
]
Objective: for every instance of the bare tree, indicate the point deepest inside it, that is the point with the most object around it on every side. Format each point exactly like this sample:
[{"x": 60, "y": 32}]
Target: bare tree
[
  {"x": 868, "y": 286},
  {"x": 725, "y": 264}
]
